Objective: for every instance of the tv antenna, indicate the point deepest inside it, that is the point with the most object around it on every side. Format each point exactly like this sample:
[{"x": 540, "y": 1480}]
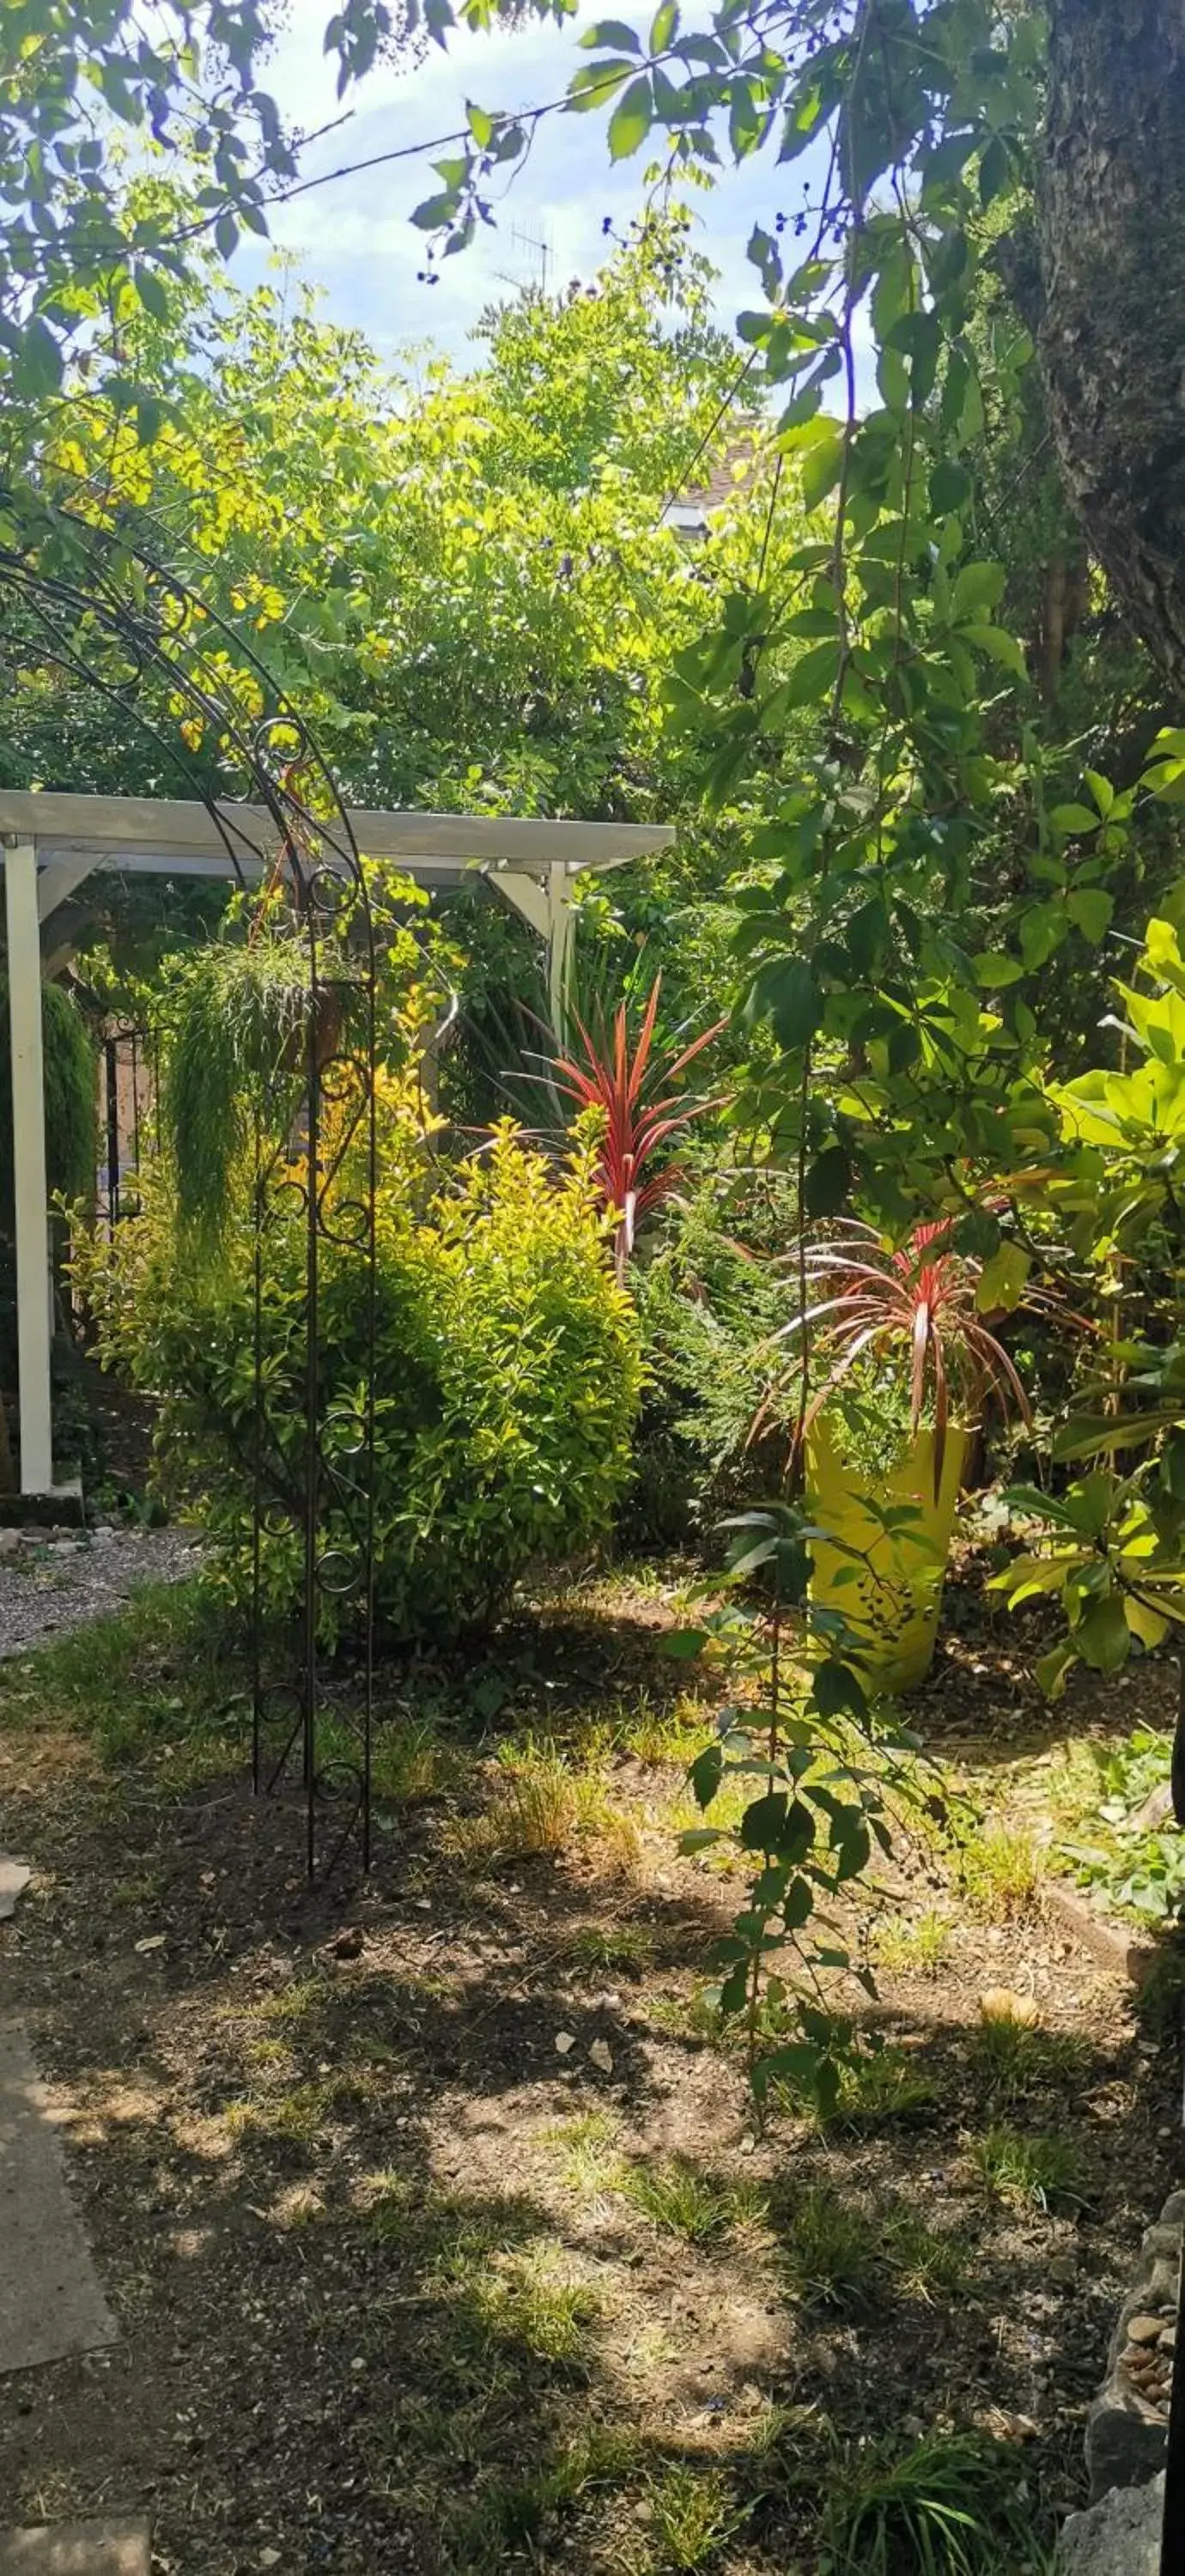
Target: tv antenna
[{"x": 539, "y": 253}]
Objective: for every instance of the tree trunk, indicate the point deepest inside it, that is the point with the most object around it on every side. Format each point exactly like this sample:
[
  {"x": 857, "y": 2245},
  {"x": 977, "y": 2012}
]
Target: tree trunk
[{"x": 1111, "y": 335}]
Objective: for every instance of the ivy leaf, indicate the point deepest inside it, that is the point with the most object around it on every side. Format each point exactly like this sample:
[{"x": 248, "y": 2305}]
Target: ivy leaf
[
  {"x": 706, "y": 1773},
  {"x": 763, "y": 1824},
  {"x": 785, "y": 992},
  {"x": 977, "y": 585},
  {"x": 1051, "y": 1671},
  {"x": 436, "y": 211},
  {"x": 1041, "y": 929},
  {"x": 1101, "y": 790},
  {"x": 814, "y": 675},
  {"x": 38, "y": 367},
  {"x": 801, "y": 122},
  {"x": 994, "y": 968},
  {"x": 1002, "y": 646},
  {"x": 950, "y": 487},
  {"x": 821, "y": 467},
  {"x": 151, "y": 291},
  {"x": 665, "y": 26},
  {"x": 1090, "y": 909},
  {"x": 837, "y": 1692},
  {"x": 631, "y": 120},
  {"x": 1001, "y": 1281},
  {"x": 919, "y": 337},
  {"x": 595, "y": 82},
  {"x": 481, "y": 124},
  {"x": 683, "y": 1644},
  {"x": 614, "y": 34}
]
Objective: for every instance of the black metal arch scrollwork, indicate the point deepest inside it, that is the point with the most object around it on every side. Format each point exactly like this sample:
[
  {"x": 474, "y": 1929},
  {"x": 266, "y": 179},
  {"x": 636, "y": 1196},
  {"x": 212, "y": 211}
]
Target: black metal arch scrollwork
[{"x": 111, "y": 614}]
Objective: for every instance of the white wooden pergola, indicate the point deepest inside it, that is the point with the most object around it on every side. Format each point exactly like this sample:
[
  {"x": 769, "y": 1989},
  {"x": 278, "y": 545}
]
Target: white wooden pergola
[{"x": 51, "y": 843}]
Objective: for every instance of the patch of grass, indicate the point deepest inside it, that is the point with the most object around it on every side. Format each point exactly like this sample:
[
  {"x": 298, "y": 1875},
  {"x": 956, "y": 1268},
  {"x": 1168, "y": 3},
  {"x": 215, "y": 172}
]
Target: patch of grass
[
  {"x": 927, "y": 2263},
  {"x": 950, "y": 2506},
  {"x": 1015, "y": 2059},
  {"x": 999, "y": 1872},
  {"x": 830, "y": 2251},
  {"x": 685, "y": 1815},
  {"x": 590, "y": 2157},
  {"x": 540, "y": 1804},
  {"x": 532, "y": 2301},
  {"x": 145, "y": 1890},
  {"x": 912, "y": 1949},
  {"x": 878, "y": 2086},
  {"x": 155, "y": 1673},
  {"x": 1028, "y": 2170},
  {"x": 299, "y": 2001},
  {"x": 691, "y": 2513},
  {"x": 660, "y": 1736},
  {"x": 698, "y": 2016},
  {"x": 1136, "y": 1867},
  {"x": 612, "y": 1947},
  {"x": 300, "y": 2113},
  {"x": 511, "y": 2512},
  {"x": 411, "y": 1759},
  {"x": 685, "y": 2201},
  {"x": 881, "y": 2086},
  {"x": 272, "y": 2053}
]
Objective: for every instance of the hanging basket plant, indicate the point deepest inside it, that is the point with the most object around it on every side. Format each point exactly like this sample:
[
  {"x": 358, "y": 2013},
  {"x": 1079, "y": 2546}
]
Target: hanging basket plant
[{"x": 247, "y": 1028}]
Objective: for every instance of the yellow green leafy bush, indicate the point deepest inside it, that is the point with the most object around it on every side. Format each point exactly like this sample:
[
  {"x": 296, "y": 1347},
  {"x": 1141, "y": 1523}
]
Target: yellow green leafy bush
[{"x": 506, "y": 1369}]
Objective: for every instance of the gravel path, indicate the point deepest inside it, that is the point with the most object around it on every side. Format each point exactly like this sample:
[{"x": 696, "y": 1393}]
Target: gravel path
[{"x": 54, "y": 1580}]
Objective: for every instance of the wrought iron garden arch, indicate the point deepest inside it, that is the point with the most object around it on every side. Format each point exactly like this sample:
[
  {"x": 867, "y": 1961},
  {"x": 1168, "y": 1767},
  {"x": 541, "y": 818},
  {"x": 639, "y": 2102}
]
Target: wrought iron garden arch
[{"x": 109, "y": 612}]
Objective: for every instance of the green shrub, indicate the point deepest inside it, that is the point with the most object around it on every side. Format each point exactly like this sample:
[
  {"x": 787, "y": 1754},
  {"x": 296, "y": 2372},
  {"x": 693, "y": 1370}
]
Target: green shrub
[
  {"x": 506, "y": 1371},
  {"x": 710, "y": 1301}
]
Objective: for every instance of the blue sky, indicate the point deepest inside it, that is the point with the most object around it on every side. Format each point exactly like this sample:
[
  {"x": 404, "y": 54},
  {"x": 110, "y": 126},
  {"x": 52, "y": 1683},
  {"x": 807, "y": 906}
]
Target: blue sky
[{"x": 353, "y": 239}]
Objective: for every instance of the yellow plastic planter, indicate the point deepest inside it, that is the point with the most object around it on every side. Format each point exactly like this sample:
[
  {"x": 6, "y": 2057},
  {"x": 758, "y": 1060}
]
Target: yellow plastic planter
[{"x": 892, "y": 1603}]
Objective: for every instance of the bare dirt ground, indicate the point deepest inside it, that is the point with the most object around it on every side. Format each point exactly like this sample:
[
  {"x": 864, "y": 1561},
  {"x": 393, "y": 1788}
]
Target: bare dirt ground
[{"x": 434, "y": 2215}]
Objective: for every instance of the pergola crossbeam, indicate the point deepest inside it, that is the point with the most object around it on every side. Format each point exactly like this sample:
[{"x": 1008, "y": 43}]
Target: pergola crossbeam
[{"x": 51, "y": 842}]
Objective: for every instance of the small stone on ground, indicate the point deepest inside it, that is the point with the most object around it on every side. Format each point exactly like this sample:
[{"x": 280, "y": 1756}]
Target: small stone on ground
[
  {"x": 50, "y": 2300},
  {"x": 1119, "y": 2537},
  {"x": 14, "y": 1876},
  {"x": 120, "y": 2545}
]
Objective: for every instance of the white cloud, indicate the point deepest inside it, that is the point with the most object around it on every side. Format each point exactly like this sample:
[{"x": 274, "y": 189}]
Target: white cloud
[{"x": 353, "y": 237}]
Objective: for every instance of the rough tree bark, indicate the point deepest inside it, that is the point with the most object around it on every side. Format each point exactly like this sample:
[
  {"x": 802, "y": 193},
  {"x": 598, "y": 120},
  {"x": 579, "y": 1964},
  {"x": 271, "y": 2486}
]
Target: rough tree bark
[{"x": 1111, "y": 332}]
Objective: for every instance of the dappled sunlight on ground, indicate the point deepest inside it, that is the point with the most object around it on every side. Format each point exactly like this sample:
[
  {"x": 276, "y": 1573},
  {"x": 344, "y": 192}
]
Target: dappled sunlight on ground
[{"x": 455, "y": 2247}]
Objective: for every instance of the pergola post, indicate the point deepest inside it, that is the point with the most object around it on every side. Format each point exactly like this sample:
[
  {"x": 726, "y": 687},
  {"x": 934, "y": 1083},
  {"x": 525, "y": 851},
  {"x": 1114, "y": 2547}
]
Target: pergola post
[
  {"x": 547, "y": 905},
  {"x": 560, "y": 926},
  {"x": 30, "y": 1186}
]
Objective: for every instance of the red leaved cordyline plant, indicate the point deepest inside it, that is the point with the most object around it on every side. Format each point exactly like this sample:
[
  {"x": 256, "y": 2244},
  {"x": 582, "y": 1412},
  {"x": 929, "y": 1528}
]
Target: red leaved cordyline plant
[
  {"x": 921, "y": 1299},
  {"x": 642, "y": 1111}
]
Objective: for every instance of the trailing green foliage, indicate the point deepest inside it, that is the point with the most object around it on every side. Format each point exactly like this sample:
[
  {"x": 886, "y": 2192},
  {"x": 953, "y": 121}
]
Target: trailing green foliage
[
  {"x": 239, "y": 1036},
  {"x": 71, "y": 1134}
]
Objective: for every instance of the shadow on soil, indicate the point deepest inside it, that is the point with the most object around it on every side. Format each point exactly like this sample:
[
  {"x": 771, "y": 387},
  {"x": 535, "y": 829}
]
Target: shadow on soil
[{"x": 391, "y": 2292}]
